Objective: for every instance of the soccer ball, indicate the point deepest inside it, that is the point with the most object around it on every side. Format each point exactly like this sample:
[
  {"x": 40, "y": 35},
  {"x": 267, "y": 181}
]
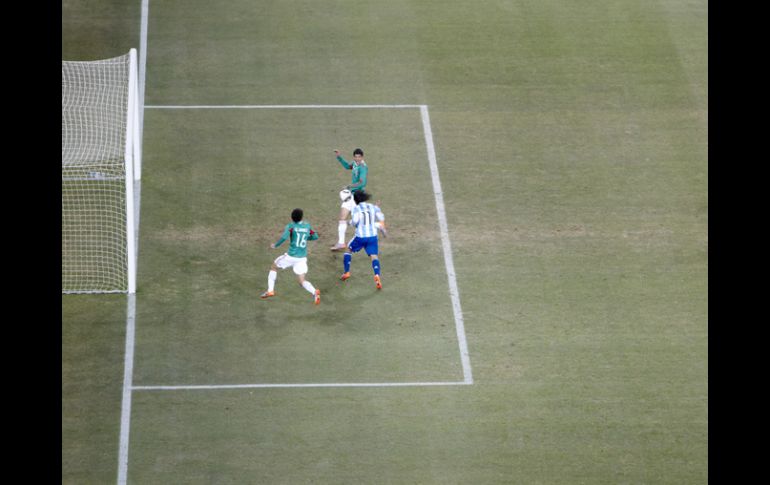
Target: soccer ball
[{"x": 344, "y": 195}]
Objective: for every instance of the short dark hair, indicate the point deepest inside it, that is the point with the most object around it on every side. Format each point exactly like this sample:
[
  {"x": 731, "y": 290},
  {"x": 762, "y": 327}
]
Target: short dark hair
[
  {"x": 361, "y": 196},
  {"x": 296, "y": 215},
  {"x": 358, "y": 151}
]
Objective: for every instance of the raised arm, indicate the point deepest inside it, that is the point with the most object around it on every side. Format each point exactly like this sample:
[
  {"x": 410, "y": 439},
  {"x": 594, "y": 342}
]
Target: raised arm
[{"x": 342, "y": 161}]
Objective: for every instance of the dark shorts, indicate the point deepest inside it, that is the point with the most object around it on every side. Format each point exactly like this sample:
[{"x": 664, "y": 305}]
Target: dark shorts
[{"x": 368, "y": 244}]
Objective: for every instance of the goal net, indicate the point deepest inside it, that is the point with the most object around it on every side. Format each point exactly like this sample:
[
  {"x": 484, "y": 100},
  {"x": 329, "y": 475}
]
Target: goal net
[{"x": 100, "y": 162}]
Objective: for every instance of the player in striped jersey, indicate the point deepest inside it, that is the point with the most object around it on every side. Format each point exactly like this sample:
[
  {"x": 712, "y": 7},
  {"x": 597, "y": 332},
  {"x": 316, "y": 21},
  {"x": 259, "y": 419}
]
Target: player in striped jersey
[
  {"x": 298, "y": 232},
  {"x": 368, "y": 220}
]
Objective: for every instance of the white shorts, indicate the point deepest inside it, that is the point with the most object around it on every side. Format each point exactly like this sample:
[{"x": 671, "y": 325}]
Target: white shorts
[
  {"x": 349, "y": 204},
  {"x": 298, "y": 265}
]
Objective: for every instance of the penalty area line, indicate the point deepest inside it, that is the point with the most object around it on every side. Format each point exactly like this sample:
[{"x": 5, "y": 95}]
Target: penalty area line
[
  {"x": 288, "y": 106},
  {"x": 454, "y": 292},
  {"x": 297, "y": 385}
]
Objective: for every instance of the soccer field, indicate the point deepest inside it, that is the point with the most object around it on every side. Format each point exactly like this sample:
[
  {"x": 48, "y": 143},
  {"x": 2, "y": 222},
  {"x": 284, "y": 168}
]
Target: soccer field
[{"x": 543, "y": 169}]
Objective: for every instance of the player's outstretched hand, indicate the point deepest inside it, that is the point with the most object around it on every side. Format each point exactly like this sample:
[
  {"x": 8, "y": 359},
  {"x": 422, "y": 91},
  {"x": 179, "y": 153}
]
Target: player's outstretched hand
[
  {"x": 272, "y": 245},
  {"x": 337, "y": 153}
]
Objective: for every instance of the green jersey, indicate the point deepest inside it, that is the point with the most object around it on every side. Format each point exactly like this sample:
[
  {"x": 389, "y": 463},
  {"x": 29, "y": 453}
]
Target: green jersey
[
  {"x": 298, "y": 233},
  {"x": 358, "y": 179}
]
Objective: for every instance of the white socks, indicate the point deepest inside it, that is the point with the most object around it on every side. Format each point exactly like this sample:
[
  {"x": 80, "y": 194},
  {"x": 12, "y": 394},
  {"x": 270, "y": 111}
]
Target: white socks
[
  {"x": 308, "y": 286},
  {"x": 341, "y": 228},
  {"x": 271, "y": 283}
]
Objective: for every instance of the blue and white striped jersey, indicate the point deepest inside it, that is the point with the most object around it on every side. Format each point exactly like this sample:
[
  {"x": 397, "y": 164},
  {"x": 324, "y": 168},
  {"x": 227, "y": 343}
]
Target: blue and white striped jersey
[{"x": 363, "y": 216}]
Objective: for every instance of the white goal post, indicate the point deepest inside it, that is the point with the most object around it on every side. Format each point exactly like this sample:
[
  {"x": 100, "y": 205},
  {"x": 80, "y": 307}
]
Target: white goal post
[{"x": 101, "y": 163}]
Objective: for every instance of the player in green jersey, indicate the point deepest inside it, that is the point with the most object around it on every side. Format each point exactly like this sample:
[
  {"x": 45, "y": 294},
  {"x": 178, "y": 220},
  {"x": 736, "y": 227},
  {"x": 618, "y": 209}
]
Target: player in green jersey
[
  {"x": 358, "y": 182},
  {"x": 298, "y": 232}
]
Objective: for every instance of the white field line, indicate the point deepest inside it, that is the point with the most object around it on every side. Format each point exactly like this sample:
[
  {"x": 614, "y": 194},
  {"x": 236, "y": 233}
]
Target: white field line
[
  {"x": 448, "y": 261},
  {"x": 320, "y": 384},
  {"x": 142, "y": 62},
  {"x": 128, "y": 363},
  {"x": 454, "y": 293},
  {"x": 288, "y": 106},
  {"x": 128, "y": 376}
]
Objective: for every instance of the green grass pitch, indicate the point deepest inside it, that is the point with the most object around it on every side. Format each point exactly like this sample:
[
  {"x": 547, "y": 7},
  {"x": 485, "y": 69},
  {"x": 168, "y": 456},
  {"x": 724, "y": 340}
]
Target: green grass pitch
[{"x": 572, "y": 144}]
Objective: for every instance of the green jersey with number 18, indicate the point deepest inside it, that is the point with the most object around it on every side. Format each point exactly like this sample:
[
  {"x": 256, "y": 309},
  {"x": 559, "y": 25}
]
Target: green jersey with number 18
[{"x": 298, "y": 233}]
